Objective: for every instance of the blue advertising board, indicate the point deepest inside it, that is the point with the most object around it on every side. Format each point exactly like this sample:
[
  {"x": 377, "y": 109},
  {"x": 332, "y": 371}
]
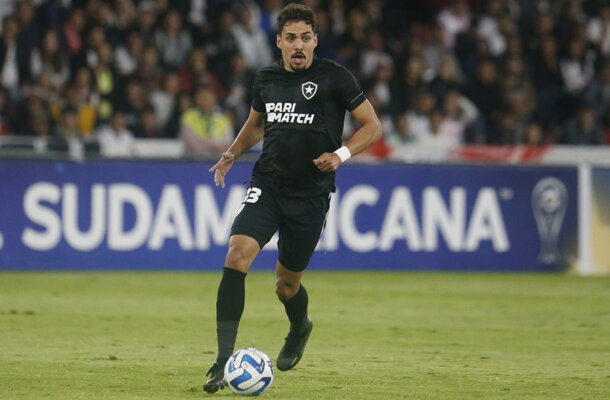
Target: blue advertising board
[{"x": 98, "y": 215}]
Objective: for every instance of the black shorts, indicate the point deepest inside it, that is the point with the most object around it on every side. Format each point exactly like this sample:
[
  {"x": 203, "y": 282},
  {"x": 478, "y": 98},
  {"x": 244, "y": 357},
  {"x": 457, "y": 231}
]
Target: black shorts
[{"x": 300, "y": 221}]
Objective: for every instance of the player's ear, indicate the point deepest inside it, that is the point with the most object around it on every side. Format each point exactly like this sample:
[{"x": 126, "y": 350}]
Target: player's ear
[
  {"x": 278, "y": 40},
  {"x": 315, "y": 40}
]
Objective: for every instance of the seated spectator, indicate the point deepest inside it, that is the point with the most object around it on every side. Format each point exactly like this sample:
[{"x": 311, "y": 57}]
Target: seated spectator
[
  {"x": 13, "y": 66},
  {"x": 127, "y": 56},
  {"x": 238, "y": 83},
  {"x": 374, "y": 55},
  {"x": 50, "y": 57},
  {"x": 583, "y": 128},
  {"x": 251, "y": 40},
  {"x": 401, "y": 134},
  {"x": 165, "y": 102},
  {"x": 204, "y": 129},
  {"x": 173, "y": 42},
  {"x": 115, "y": 140},
  {"x": 105, "y": 81},
  {"x": 147, "y": 125},
  {"x": 454, "y": 20},
  {"x": 441, "y": 132},
  {"x": 419, "y": 117},
  {"x": 533, "y": 135},
  {"x": 196, "y": 73},
  {"x": 67, "y": 129}
]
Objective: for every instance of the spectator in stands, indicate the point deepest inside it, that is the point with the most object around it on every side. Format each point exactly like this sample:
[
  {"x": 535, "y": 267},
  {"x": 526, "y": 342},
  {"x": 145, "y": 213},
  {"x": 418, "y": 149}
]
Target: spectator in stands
[
  {"x": 577, "y": 67},
  {"x": 598, "y": 91},
  {"x": 461, "y": 115},
  {"x": 401, "y": 134},
  {"x": 128, "y": 55},
  {"x": 204, "y": 129},
  {"x": 173, "y": 41},
  {"x": 515, "y": 79},
  {"x": 149, "y": 72},
  {"x": 583, "y": 128},
  {"x": 165, "y": 103},
  {"x": 380, "y": 85},
  {"x": 67, "y": 126},
  {"x": 74, "y": 31},
  {"x": 486, "y": 94},
  {"x": 419, "y": 116},
  {"x": 146, "y": 21},
  {"x": 13, "y": 62},
  {"x": 222, "y": 44},
  {"x": 29, "y": 32},
  {"x": 327, "y": 41},
  {"x": 598, "y": 30},
  {"x": 50, "y": 57},
  {"x": 238, "y": 83},
  {"x": 406, "y": 87},
  {"x": 85, "y": 111},
  {"x": 251, "y": 40},
  {"x": 533, "y": 135},
  {"x": 135, "y": 98},
  {"x": 446, "y": 80},
  {"x": 441, "y": 132},
  {"x": 196, "y": 73},
  {"x": 147, "y": 127},
  {"x": 454, "y": 20},
  {"x": 434, "y": 52},
  {"x": 374, "y": 55},
  {"x": 105, "y": 81},
  {"x": 115, "y": 139}
]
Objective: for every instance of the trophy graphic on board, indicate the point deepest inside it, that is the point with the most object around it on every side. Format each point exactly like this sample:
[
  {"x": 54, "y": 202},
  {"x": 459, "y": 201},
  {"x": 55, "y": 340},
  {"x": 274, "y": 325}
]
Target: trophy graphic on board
[{"x": 549, "y": 204}]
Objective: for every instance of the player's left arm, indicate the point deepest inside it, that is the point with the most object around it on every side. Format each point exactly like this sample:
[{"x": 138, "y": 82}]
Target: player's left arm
[{"x": 365, "y": 137}]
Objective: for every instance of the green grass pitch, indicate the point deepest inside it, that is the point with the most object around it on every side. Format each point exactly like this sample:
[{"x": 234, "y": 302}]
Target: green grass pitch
[{"x": 376, "y": 336}]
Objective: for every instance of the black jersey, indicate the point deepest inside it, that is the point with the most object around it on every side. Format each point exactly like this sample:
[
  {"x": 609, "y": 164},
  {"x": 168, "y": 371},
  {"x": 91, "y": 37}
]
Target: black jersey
[{"x": 303, "y": 113}]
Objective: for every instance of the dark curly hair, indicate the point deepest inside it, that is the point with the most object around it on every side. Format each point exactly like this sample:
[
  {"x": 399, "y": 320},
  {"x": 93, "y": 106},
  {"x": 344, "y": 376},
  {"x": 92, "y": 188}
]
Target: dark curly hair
[{"x": 296, "y": 12}]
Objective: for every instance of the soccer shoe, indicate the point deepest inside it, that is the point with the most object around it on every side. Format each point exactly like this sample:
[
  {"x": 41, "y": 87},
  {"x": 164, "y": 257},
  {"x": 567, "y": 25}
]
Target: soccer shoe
[
  {"x": 217, "y": 378},
  {"x": 293, "y": 349}
]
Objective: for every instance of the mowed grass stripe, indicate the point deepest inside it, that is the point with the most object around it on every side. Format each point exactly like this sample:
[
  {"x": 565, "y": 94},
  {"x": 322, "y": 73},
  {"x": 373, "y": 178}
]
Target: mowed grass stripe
[{"x": 376, "y": 336}]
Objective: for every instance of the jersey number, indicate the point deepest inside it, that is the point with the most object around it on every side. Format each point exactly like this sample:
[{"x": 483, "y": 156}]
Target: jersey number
[{"x": 252, "y": 195}]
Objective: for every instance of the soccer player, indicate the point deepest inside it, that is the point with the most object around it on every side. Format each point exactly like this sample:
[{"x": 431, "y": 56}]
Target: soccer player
[{"x": 298, "y": 108}]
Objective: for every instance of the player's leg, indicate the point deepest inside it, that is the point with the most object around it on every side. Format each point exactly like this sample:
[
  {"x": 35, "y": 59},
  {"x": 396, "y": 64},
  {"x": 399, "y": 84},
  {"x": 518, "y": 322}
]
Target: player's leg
[
  {"x": 293, "y": 295},
  {"x": 253, "y": 227},
  {"x": 230, "y": 303},
  {"x": 300, "y": 231}
]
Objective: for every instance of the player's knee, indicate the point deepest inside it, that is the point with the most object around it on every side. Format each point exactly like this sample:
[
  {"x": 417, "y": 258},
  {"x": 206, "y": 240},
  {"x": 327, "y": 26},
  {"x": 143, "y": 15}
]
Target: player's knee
[
  {"x": 238, "y": 259},
  {"x": 285, "y": 290}
]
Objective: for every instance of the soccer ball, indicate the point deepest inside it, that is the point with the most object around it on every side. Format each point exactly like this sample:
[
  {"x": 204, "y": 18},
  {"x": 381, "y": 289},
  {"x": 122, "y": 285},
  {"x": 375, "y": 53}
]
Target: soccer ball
[{"x": 249, "y": 372}]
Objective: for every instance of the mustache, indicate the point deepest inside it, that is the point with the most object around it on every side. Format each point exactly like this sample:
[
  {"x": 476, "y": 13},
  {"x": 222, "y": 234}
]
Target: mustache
[{"x": 298, "y": 53}]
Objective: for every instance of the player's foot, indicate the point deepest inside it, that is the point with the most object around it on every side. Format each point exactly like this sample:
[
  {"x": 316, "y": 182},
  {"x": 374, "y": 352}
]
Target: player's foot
[
  {"x": 293, "y": 349},
  {"x": 217, "y": 378}
]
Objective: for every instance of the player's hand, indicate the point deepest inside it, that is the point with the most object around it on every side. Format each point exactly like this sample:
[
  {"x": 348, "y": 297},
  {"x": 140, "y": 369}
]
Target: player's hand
[
  {"x": 327, "y": 162},
  {"x": 221, "y": 168}
]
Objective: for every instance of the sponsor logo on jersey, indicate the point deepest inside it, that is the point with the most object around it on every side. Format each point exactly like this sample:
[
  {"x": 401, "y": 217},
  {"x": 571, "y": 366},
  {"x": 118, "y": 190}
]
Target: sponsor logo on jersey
[
  {"x": 309, "y": 89},
  {"x": 285, "y": 112}
]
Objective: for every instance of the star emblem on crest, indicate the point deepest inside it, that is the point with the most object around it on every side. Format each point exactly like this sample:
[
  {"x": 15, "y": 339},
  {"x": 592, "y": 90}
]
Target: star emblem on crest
[{"x": 309, "y": 89}]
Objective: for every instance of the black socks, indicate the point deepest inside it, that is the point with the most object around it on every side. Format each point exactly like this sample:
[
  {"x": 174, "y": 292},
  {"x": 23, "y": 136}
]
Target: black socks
[
  {"x": 229, "y": 308},
  {"x": 296, "y": 308}
]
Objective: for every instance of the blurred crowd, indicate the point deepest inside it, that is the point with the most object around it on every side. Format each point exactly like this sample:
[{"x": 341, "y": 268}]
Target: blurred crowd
[{"x": 438, "y": 72}]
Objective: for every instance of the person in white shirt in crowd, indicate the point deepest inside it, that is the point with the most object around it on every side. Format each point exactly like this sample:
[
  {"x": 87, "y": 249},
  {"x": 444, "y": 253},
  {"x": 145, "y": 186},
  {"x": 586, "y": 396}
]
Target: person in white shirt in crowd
[
  {"x": 419, "y": 117},
  {"x": 251, "y": 40},
  {"x": 115, "y": 140}
]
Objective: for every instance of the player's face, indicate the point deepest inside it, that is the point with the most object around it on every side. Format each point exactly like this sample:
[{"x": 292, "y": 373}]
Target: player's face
[{"x": 297, "y": 42}]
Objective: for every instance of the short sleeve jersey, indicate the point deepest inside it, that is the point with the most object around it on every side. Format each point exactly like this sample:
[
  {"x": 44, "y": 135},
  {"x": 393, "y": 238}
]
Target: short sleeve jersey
[{"x": 304, "y": 113}]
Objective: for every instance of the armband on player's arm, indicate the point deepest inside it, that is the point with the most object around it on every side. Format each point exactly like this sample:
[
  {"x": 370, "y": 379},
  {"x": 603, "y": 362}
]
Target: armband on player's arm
[{"x": 343, "y": 153}]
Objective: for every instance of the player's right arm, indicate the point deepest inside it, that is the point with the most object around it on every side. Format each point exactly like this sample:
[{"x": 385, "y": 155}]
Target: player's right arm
[{"x": 248, "y": 136}]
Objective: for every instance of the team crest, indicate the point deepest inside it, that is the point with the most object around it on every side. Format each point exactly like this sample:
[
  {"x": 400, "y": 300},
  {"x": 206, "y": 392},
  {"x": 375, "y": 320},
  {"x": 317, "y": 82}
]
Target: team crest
[{"x": 309, "y": 90}]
